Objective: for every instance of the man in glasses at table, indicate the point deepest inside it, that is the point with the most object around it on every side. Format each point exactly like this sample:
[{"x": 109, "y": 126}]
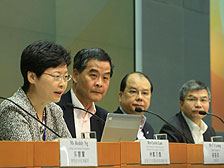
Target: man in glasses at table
[
  {"x": 195, "y": 96},
  {"x": 136, "y": 91}
]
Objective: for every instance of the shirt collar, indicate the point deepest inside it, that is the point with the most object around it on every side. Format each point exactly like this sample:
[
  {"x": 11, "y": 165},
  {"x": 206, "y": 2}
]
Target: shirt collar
[
  {"x": 77, "y": 103},
  {"x": 203, "y": 126}
]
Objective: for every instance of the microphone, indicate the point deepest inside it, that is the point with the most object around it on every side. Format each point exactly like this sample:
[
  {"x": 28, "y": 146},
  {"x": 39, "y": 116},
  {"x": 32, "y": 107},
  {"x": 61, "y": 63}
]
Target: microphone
[
  {"x": 204, "y": 113},
  {"x": 70, "y": 105},
  {"x": 31, "y": 116},
  {"x": 137, "y": 109}
]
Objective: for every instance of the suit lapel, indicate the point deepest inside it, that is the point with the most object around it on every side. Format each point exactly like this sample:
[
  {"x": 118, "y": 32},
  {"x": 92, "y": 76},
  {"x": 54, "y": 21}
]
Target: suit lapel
[
  {"x": 68, "y": 113},
  {"x": 185, "y": 129},
  {"x": 119, "y": 111},
  {"x": 96, "y": 124},
  {"x": 146, "y": 132}
]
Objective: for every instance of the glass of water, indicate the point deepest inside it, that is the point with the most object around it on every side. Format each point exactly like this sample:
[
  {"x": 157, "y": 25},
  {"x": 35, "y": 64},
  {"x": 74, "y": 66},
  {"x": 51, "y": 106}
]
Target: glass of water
[
  {"x": 88, "y": 135},
  {"x": 216, "y": 139},
  {"x": 160, "y": 136}
]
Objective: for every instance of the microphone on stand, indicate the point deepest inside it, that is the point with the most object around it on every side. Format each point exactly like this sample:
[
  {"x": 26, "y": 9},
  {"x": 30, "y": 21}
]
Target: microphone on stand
[
  {"x": 205, "y": 113},
  {"x": 70, "y": 105},
  {"x": 137, "y": 109},
  {"x": 31, "y": 115}
]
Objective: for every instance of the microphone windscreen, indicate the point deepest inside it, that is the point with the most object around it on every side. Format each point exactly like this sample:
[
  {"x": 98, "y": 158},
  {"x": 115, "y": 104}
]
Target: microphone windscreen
[
  {"x": 202, "y": 112},
  {"x": 137, "y": 109}
]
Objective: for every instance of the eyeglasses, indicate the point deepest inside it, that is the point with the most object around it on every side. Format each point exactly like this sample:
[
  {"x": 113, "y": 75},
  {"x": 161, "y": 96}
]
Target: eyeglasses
[
  {"x": 66, "y": 77},
  {"x": 144, "y": 93},
  {"x": 193, "y": 99}
]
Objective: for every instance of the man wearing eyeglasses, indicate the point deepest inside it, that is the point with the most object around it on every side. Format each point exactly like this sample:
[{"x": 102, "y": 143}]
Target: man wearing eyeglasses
[
  {"x": 195, "y": 96},
  {"x": 92, "y": 70},
  {"x": 135, "y": 91}
]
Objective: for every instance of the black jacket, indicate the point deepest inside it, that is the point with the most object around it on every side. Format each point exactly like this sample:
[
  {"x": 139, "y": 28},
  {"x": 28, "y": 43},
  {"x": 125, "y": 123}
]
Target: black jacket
[
  {"x": 180, "y": 124},
  {"x": 95, "y": 124}
]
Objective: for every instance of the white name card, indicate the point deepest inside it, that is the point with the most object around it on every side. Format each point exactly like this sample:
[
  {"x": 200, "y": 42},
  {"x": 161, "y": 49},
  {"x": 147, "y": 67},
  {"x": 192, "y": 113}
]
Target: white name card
[
  {"x": 78, "y": 152},
  {"x": 154, "y": 151},
  {"x": 213, "y": 152}
]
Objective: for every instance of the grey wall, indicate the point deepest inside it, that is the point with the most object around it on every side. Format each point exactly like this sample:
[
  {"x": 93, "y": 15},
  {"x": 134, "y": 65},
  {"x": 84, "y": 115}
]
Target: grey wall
[
  {"x": 20, "y": 24},
  {"x": 175, "y": 39},
  {"x": 75, "y": 24}
]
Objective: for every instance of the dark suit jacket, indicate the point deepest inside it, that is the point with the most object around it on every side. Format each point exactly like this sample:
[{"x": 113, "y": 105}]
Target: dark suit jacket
[
  {"x": 180, "y": 124},
  {"x": 95, "y": 124},
  {"x": 147, "y": 129}
]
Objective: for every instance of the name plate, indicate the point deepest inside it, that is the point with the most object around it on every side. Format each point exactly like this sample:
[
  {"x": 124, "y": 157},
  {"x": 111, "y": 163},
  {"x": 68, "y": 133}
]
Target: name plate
[
  {"x": 154, "y": 151},
  {"x": 78, "y": 152},
  {"x": 213, "y": 152}
]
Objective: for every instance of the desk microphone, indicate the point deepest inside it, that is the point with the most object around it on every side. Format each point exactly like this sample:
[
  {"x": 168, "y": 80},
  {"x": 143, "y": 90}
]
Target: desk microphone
[
  {"x": 31, "y": 115},
  {"x": 204, "y": 113},
  {"x": 70, "y": 105},
  {"x": 137, "y": 109}
]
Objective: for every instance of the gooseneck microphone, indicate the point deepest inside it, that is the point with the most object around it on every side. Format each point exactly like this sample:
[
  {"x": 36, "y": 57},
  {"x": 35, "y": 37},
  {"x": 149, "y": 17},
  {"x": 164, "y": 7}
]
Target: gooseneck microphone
[
  {"x": 137, "y": 109},
  {"x": 31, "y": 115},
  {"x": 205, "y": 113},
  {"x": 70, "y": 105}
]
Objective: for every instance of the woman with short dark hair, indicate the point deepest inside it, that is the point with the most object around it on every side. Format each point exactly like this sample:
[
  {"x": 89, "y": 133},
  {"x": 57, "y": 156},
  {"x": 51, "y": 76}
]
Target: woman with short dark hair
[{"x": 44, "y": 67}]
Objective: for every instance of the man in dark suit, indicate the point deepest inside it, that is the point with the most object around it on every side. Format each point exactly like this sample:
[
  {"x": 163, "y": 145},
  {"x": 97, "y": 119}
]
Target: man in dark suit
[
  {"x": 135, "y": 91},
  {"x": 195, "y": 96},
  {"x": 92, "y": 70}
]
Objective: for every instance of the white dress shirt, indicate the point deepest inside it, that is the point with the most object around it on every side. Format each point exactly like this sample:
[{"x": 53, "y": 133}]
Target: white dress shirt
[
  {"x": 81, "y": 118},
  {"x": 196, "y": 131}
]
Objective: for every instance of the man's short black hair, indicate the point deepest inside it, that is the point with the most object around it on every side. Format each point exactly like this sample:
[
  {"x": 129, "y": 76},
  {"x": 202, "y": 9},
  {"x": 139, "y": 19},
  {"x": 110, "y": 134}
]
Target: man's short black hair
[{"x": 83, "y": 56}]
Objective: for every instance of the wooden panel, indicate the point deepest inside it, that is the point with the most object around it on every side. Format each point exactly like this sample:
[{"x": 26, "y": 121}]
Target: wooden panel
[
  {"x": 204, "y": 166},
  {"x": 178, "y": 152},
  {"x": 107, "y": 167},
  {"x": 130, "y": 152},
  {"x": 195, "y": 153},
  {"x": 108, "y": 153},
  {"x": 46, "y": 154},
  {"x": 16, "y": 154},
  {"x": 156, "y": 166},
  {"x": 116, "y": 155},
  {"x": 213, "y": 166}
]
